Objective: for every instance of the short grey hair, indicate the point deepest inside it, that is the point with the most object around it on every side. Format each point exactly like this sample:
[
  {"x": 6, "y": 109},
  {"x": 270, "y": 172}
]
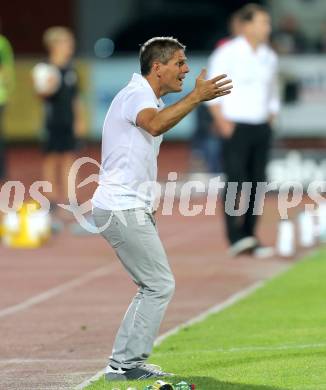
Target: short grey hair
[{"x": 159, "y": 49}]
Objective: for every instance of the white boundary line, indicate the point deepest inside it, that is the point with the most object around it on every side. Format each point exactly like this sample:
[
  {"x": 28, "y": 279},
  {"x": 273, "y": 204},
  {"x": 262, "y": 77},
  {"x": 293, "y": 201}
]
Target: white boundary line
[
  {"x": 238, "y": 296},
  {"x": 56, "y": 290},
  {"x": 251, "y": 348},
  {"x": 89, "y": 381}
]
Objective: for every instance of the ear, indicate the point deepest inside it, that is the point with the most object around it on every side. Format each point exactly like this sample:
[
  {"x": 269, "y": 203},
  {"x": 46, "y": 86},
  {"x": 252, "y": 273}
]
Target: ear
[{"x": 157, "y": 68}]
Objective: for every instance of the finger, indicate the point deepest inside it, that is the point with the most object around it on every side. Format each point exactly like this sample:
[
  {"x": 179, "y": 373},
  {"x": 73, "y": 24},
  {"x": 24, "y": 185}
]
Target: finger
[
  {"x": 225, "y": 88},
  {"x": 202, "y": 74},
  {"x": 220, "y": 84},
  {"x": 219, "y": 94},
  {"x": 225, "y": 93},
  {"x": 218, "y": 78}
]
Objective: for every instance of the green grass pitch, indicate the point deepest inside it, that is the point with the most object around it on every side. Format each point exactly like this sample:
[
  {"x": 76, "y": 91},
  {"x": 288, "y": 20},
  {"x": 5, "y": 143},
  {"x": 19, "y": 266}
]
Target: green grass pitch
[{"x": 274, "y": 339}]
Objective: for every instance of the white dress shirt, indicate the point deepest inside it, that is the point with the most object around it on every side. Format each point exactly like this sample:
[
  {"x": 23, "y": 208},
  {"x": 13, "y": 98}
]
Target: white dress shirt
[
  {"x": 254, "y": 96},
  {"x": 129, "y": 153}
]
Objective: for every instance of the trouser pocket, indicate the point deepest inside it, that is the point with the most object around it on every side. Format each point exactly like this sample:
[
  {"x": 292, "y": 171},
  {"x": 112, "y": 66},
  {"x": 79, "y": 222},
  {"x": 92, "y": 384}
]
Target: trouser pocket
[{"x": 109, "y": 226}]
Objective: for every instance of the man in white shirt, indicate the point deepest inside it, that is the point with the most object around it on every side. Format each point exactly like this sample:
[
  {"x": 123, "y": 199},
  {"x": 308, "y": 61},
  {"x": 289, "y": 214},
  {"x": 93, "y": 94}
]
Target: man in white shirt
[
  {"x": 123, "y": 201},
  {"x": 244, "y": 119}
]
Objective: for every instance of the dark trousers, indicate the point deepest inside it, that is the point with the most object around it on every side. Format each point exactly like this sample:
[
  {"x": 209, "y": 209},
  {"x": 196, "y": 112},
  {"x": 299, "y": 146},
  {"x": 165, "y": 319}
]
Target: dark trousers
[
  {"x": 2, "y": 145},
  {"x": 245, "y": 158}
]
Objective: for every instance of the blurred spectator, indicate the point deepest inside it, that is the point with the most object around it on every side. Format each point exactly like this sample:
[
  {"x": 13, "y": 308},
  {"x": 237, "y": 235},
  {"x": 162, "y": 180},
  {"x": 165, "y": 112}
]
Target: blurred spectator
[
  {"x": 205, "y": 144},
  {"x": 6, "y": 85},
  {"x": 243, "y": 120},
  {"x": 63, "y": 111},
  {"x": 288, "y": 39}
]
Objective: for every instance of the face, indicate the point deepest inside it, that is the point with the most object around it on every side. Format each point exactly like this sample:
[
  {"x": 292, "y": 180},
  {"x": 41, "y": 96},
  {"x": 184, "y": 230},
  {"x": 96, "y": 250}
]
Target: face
[
  {"x": 172, "y": 73},
  {"x": 65, "y": 45},
  {"x": 260, "y": 27}
]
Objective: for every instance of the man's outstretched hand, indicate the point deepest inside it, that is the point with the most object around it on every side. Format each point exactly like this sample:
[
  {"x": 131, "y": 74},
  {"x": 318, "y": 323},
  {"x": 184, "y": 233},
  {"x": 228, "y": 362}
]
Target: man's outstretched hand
[{"x": 210, "y": 89}]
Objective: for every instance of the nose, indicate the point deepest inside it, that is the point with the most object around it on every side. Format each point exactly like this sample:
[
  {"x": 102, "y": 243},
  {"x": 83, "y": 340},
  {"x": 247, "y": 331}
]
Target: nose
[{"x": 186, "y": 68}]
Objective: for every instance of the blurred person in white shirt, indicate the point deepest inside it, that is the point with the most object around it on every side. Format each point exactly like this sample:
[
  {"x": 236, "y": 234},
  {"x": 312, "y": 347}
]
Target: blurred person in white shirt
[{"x": 244, "y": 119}]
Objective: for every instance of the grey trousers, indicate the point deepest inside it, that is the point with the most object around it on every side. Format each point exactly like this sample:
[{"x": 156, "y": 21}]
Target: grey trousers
[{"x": 133, "y": 235}]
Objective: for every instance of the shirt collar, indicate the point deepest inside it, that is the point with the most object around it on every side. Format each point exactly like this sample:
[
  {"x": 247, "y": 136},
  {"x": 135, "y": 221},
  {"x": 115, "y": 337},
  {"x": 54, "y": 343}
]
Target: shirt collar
[{"x": 140, "y": 80}]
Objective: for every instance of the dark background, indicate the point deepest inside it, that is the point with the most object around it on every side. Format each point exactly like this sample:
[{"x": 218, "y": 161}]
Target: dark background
[{"x": 197, "y": 24}]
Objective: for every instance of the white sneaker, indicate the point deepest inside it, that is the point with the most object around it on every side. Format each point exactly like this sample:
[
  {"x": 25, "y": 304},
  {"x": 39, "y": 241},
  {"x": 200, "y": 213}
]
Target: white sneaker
[
  {"x": 245, "y": 244},
  {"x": 138, "y": 373},
  {"x": 263, "y": 252},
  {"x": 110, "y": 370}
]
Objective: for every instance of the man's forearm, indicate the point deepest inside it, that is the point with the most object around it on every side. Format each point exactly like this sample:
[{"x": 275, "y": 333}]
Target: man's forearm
[
  {"x": 170, "y": 116},
  {"x": 158, "y": 122}
]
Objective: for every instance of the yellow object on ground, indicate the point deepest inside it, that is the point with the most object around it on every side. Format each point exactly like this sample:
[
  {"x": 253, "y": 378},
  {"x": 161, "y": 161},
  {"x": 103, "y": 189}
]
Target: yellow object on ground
[{"x": 29, "y": 227}]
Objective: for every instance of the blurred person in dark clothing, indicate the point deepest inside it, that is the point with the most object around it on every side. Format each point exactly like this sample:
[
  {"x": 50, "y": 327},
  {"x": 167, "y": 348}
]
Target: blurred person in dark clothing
[
  {"x": 321, "y": 41},
  {"x": 244, "y": 120},
  {"x": 6, "y": 86},
  {"x": 63, "y": 111},
  {"x": 206, "y": 142}
]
